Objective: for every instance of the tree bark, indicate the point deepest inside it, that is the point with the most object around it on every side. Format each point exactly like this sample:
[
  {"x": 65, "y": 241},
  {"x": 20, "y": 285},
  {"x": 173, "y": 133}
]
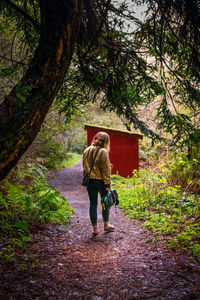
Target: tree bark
[{"x": 24, "y": 110}]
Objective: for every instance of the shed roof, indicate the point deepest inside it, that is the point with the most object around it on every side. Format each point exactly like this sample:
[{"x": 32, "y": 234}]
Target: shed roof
[{"x": 124, "y": 132}]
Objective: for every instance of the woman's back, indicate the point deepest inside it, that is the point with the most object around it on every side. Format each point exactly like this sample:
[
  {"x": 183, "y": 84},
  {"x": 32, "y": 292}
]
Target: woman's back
[{"x": 101, "y": 168}]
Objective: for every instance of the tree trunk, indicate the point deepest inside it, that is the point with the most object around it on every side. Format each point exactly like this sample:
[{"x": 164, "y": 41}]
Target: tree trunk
[{"x": 24, "y": 110}]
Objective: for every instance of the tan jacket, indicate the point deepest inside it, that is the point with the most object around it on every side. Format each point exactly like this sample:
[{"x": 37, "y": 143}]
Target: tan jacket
[{"x": 102, "y": 166}]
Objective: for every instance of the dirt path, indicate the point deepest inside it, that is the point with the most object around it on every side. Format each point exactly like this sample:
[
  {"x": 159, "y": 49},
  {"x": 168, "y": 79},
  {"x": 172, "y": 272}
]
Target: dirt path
[{"x": 119, "y": 265}]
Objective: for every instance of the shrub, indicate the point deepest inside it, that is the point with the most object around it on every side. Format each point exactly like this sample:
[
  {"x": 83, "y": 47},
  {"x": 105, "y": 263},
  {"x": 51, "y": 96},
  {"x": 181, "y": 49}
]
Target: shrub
[
  {"x": 184, "y": 172},
  {"x": 25, "y": 206},
  {"x": 166, "y": 210}
]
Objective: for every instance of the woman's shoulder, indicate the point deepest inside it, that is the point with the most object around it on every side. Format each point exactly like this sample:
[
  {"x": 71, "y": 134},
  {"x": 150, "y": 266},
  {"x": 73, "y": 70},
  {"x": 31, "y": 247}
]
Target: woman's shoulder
[
  {"x": 92, "y": 148},
  {"x": 103, "y": 151},
  {"x": 88, "y": 149}
]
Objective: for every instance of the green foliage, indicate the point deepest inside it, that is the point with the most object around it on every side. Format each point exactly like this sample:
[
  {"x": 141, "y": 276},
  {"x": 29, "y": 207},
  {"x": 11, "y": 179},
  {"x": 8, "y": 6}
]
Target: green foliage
[
  {"x": 21, "y": 94},
  {"x": 78, "y": 147},
  {"x": 183, "y": 171},
  {"x": 59, "y": 159},
  {"x": 23, "y": 207},
  {"x": 125, "y": 68},
  {"x": 27, "y": 201},
  {"x": 52, "y": 154},
  {"x": 72, "y": 159},
  {"x": 55, "y": 153},
  {"x": 19, "y": 38},
  {"x": 188, "y": 239},
  {"x": 166, "y": 210}
]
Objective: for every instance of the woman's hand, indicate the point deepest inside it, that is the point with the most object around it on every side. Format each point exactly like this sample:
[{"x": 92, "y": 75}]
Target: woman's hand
[{"x": 108, "y": 189}]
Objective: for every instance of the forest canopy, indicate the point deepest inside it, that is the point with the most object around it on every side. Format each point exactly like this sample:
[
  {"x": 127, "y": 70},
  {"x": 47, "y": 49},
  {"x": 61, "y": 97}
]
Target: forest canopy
[{"x": 80, "y": 51}]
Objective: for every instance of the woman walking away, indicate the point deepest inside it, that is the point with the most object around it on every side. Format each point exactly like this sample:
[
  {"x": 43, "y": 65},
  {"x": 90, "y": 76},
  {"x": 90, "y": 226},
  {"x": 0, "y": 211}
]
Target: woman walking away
[{"x": 98, "y": 153}]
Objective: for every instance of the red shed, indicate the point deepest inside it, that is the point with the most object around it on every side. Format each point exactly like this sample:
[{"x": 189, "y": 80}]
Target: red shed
[{"x": 124, "y": 148}]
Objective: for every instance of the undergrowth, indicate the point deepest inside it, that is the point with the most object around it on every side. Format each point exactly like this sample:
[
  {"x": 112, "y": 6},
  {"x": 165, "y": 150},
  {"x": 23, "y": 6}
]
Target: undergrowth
[
  {"x": 57, "y": 157},
  {"x": 27, "y": 202},
  {"x": 72, "y": 159},
  {"x": 166, "y": 210},
  {"x": 182, "y": 171}
]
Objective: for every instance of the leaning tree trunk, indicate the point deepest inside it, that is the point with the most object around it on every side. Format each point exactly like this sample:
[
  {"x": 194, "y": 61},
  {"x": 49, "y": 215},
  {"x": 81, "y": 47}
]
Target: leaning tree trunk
[{"x": 24, "y": 110}]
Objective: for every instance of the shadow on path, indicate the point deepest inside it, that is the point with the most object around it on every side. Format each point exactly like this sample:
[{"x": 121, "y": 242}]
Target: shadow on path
[{"x": 117, "y": 265}]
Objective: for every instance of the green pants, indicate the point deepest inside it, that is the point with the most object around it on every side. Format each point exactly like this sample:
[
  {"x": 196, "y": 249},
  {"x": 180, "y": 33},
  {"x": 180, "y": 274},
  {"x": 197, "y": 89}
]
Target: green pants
[{"x": 95, "y": 186}]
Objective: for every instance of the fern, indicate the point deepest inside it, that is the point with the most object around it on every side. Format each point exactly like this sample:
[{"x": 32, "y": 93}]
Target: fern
[
  {"x": 3, "y": 202},
  {"x": 23, "y": 206}
]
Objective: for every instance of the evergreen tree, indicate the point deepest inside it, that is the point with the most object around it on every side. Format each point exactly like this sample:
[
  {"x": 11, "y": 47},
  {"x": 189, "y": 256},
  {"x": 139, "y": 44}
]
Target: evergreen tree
[{"x": 77, "y": 50}]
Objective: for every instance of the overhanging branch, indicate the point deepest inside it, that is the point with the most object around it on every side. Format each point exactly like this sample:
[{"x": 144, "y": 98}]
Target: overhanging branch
[{"x": 23, "y": 13}]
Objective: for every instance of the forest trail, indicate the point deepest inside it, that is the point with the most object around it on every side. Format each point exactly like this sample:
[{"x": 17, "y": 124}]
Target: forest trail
[{"x": 118, "y": 265}]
